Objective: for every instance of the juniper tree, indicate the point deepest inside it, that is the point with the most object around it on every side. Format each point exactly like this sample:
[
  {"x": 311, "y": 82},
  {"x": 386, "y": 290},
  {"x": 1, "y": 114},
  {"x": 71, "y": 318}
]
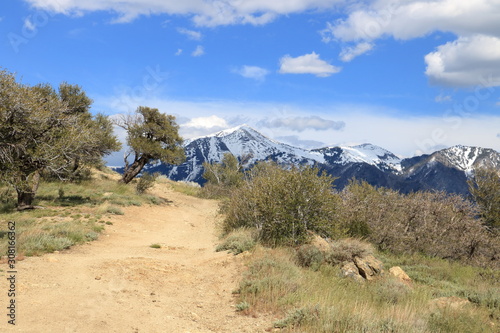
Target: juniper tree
[
  {"x": 39, "y": 132},
  {"x": 152, "y": 136}
]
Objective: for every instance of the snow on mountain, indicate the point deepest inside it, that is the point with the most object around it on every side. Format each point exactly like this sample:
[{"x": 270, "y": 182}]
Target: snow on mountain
[
  {"x": 467, "y": 158},
  {"x": 364, "y": 153},
  {"x": 445, "y": 170}
]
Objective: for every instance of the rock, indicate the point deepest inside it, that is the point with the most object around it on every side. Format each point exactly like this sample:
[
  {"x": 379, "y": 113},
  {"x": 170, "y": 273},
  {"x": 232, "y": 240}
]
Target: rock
[
  {"x": 350, "y": 270},
  {"x": 453, "y": 302},
  {"x": 369, "y": 267},
  {"x": 320, "y": 243},
  {"x": 398, "y": 272}
]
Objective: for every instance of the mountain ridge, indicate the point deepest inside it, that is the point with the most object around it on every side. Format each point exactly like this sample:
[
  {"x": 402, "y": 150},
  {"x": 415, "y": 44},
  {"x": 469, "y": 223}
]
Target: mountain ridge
[{"x": 444, "y": 170}]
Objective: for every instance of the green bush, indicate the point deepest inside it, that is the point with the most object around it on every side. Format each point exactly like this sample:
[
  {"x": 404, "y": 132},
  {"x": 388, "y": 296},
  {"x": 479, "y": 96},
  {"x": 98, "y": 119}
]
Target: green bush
[
  {"x": 238, "y": 241},
  {"x": 223, "y": 177},
  {"x": 346, "y": 249},
  {"x": 146, "y": 181},
  {"x": 283, "y": 205},
  {"x": 309, "y": 256}
]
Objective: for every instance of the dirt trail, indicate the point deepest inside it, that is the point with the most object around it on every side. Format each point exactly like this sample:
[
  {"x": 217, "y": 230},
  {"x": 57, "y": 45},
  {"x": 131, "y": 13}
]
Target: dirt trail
[{"x": 120, "y": 284}]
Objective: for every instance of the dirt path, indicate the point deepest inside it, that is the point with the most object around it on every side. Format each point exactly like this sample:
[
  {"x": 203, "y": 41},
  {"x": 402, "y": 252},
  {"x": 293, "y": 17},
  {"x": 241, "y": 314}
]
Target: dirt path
[{"x": 120, "y": 284}]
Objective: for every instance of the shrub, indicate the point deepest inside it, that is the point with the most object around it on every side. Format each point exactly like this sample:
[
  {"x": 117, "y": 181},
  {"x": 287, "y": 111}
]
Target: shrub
[
  {"x": 309, "y": 256},
  {"x": 222, "y": 177},
  {"x": 146, "y": 181},
  {"x": 485, "y": 189},
  {"x": 346, "y": 250},
  {"x": 436, "y": 224},
  {"x": 283, "y": 205},
  {"x": 237, "y": 242}
]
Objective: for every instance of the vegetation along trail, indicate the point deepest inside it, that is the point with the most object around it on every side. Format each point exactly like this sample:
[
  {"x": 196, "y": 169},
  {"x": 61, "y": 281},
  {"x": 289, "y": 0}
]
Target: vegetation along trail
[{"x": 120, "y": 283}]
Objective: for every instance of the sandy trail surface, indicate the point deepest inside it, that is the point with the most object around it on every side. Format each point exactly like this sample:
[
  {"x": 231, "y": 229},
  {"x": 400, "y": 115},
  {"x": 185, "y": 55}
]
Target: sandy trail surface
[{"x": 120, "y": 284}]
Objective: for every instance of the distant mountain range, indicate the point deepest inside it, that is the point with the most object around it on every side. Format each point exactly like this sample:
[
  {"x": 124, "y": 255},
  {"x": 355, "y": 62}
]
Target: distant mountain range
[{"x": 446, "y": 170}]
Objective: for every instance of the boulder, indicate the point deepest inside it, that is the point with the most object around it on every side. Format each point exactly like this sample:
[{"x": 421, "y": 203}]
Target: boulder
[
  {"x": 350, "y": 270},
  {"x": 320, "y": 243},
  {"x": 401, "y": 275},
  {"x": 369, "y": 267}
]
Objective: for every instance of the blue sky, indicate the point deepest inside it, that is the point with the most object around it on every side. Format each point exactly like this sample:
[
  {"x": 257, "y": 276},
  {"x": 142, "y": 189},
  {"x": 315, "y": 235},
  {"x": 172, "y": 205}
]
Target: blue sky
[{"x": 411, "y": 76}]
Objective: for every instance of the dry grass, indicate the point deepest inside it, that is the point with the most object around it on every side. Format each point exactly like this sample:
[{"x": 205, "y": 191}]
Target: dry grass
[
  {"x": 72, "y": 214},
  {"x": 320, "y": 300}
]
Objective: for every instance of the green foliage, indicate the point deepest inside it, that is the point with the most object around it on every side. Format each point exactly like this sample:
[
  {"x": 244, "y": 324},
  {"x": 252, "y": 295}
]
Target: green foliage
[
  {"x": 155, "y": 246},
  {"x": 152, "y": 136},
  {"x": 283, "y": 205},
  {"x": 238, "y": 241},
  {"x": 309, "y": 256},
  {"x": 42, "y": 131},
  {"x": 485, "y": 189},
  {"x": 222, "y": 178},
  {"x": 146, "y": 181},
  {"x": 346, "y": 249},
  {"x": 242, "y": 306}
]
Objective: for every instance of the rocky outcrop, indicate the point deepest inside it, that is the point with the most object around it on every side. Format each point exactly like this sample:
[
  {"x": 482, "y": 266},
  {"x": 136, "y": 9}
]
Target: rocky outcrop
[
  {"x": 369, "y": 267},
  {"x": 363, "y": 269}
]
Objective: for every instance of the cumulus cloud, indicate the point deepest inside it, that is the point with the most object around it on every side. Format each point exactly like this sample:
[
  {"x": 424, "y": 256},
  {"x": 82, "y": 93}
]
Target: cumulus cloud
[
  {"x": 351, "y": 52},
  {"x": 307, "y": 64},
  {"x": 462, "y": 62},
  {"x": 203, "y": 13},
  {"x": 467, "y": 61},
  {"x": 207, "y": 122},
  {"x": 198, "y": 52},
  {"x": 300, "y": 124},
  {"x": 252, "y": 72}
]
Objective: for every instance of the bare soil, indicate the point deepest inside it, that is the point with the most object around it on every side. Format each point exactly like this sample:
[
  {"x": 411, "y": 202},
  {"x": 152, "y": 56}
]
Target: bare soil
[{"x": 120, "y": 284}]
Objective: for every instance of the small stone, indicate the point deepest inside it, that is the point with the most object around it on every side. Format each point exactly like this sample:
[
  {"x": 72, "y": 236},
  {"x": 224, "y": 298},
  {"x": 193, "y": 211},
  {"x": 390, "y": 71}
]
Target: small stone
[
  {"x": 398, "y": 272},
  {"x": 97, "y": 277}
]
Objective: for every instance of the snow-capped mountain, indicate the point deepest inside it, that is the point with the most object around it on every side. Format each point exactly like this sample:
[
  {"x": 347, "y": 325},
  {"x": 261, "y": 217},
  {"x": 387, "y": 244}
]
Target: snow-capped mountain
[
  {"x": 446, "y": 169},
  {"x": 365, "y": 153}
]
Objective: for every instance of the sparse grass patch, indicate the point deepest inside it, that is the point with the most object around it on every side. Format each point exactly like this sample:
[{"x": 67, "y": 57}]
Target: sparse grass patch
[
  {"x": 188, "y": 188},
  {"x": 155, "y": 246}
]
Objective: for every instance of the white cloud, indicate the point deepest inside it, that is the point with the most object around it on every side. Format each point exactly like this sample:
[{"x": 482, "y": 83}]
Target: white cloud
[
  {"x": 198, "y": 52},
  {"x": 210, "y": 123},
  {"x": 252, "y": 72},
  {"x": 443, "y": 98},
  {"x": 349, "y": 53},
  {"x": 465, "y": 62},
  {"x": 28, "y": 25},
  {"x": 179, "y": 52},
  {"x": 307, "y": 64},
  {"x": 300, "y": 124},
  {"x": 191, "y": 34},
  {"x": 401, "y": 135},
  {"x": 203, "y": 13}
]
